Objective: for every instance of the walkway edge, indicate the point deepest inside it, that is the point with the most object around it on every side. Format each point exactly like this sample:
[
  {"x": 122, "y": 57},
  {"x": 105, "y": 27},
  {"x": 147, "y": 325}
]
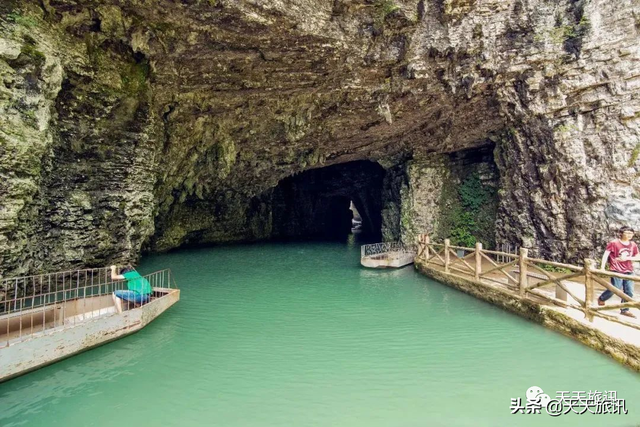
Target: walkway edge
[{"x": 619, "y": 350}]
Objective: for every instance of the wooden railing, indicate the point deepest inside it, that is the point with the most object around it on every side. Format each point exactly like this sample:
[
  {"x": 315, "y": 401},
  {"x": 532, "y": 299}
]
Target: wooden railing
[{"x": 530, "y": 277}]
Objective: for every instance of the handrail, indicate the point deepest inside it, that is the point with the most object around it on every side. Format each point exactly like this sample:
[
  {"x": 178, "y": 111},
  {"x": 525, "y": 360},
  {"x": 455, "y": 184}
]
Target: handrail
[
  {"x": 33, "y": 313},
  {"x": 618, "y": 275},
  {"x": 529, "y": 284},
  {"x": 107, "y": 269},
  {"x": 156, "y": 279},
  {"x": 504, "y": 254},
  {"x": 23, "y": 285},
  {"x": 555, "y": 264}
]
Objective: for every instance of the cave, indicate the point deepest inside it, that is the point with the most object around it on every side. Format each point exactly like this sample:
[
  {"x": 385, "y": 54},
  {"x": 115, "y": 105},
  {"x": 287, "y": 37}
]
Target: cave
[
  {"x": 315, "y": 204},
  {"x": 119, "y": 135}
]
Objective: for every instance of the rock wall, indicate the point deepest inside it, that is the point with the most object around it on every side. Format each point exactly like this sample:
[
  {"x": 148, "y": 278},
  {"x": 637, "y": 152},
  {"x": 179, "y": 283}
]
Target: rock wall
[
  {"x": 30, "y": 83},
  {"x": 446, "y": 196},
  {"x": 568, "y": 161},
  {"x": 78, "y": 155},
  {"x": 131, "y": 126},
  {"x": 414, "y": 208}
]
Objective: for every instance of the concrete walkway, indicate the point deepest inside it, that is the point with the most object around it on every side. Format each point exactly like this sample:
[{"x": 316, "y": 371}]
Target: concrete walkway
[{"x": 617, "y": 329}]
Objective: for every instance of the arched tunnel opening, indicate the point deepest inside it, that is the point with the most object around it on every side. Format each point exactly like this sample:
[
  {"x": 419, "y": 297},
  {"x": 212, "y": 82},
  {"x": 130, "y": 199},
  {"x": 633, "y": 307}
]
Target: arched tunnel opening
[
  {"x": 450, "y": 195},
  {"x": 320, "y": 203}
]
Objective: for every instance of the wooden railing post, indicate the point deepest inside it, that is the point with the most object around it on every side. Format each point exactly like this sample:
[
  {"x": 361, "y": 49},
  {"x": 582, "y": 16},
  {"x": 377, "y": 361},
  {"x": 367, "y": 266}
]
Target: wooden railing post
[
  {"x": 426, "y": 246},
  {"x": 524, "y": 273},
  {"x": 478, "y": 260},
  {"x": 561, "y": 294},
  {"x": 447, "y": 243},
  {"x": 589, "y": 266}
]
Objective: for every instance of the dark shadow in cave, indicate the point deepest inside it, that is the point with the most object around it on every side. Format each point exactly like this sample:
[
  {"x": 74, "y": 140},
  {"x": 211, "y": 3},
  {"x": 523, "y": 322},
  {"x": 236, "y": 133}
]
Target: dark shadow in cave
[{"x": 315, "y": 204}]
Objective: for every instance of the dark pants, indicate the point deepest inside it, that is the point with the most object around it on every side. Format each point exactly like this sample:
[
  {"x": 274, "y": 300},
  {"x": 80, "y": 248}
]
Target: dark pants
[{"x": 623, "y": 284}]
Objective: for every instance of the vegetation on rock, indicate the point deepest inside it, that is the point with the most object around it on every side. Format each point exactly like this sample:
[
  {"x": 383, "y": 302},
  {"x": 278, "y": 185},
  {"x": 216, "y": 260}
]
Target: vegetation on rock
[{"x": 468, "y": 212}]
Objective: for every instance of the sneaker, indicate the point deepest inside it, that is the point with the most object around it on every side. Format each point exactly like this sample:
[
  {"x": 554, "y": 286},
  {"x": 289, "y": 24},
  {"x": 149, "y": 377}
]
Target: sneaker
[
  {"x": 628, "y": 314},
  {"x": 600, "y": 302}
]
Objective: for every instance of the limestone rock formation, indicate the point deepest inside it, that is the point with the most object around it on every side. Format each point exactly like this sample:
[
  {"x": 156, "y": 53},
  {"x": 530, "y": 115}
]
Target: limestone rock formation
[{"x": 141, "y": 125}]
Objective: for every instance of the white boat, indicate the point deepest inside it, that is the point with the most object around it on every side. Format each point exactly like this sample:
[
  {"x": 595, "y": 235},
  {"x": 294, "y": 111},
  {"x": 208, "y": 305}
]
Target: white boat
[
  {"x": 54, "y": 316},
  {"x": 386, "y": 255}
]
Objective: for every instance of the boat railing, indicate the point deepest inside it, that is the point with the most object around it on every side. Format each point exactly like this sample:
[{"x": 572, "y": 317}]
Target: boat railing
[
  {"x": 12, "y": 289},
  {"x": 47, "y": 301},
  {"x": 382, "y": 248}
]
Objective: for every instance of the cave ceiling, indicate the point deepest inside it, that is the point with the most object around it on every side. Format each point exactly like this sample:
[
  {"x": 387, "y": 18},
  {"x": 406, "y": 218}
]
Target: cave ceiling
[
  {"x": 141, "y": 123},
  {"x": 245, "y": 93}
]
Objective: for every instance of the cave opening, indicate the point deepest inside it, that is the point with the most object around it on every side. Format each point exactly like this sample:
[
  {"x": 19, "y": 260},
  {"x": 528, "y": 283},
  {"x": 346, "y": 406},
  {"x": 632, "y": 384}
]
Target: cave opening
[{"x": 330, "y": 203}]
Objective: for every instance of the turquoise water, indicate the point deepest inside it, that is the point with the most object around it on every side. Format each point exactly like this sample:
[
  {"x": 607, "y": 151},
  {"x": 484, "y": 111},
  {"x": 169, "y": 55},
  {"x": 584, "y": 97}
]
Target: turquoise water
[{"x": 301, "y": 335}]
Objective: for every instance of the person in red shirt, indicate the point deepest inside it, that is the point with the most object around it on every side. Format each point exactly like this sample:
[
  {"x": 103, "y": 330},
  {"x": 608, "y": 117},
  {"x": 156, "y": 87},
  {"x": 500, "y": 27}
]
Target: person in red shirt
[{"x": 620, "y": 254}]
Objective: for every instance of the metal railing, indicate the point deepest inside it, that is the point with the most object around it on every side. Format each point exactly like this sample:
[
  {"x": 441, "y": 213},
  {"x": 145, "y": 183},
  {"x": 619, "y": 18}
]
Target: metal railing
[
  {"x": 508, "y": 248},
  {"x": 16, "y": 289},
  {"x": 384, "y": 248},
  {"x": 47, "y": 301}
]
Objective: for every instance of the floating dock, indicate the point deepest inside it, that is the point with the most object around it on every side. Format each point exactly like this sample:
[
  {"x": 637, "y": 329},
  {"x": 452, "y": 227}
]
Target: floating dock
[{"x": 386, "y": 255}]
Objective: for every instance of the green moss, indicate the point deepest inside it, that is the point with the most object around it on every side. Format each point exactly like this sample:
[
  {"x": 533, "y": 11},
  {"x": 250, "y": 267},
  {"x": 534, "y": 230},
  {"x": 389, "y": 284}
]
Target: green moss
[
  {"x": 295, "y": 126},
  {"x": 95, "y": 53},
  {"x": 134, "y": 78},
  {"x": 30, "y": 51},
  {"x": 566, "y": 128},
  {"x": 386, "y": 7},
  {"x": 468, "y": 211},
  {"x": 558, "y": 35},
  {"x": 383, "y": 8},
  {"x": 20, "y": 19},
  {"x": 472, "y": 193},
  {"x": 477, "y": 31},
  {"x": 573, "y": 34},
  {"x": 565, "y": 33},
  {"x": 406, "y": 217},
  {"x": 31, "y": 117},
  {"x": 162, "y": 27},
  {"x": 634, "y": 155}
]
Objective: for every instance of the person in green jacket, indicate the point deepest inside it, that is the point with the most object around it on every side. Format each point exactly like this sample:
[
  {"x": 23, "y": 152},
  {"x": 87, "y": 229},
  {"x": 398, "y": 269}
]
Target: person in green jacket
[{"x": 138, "y": 288}]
